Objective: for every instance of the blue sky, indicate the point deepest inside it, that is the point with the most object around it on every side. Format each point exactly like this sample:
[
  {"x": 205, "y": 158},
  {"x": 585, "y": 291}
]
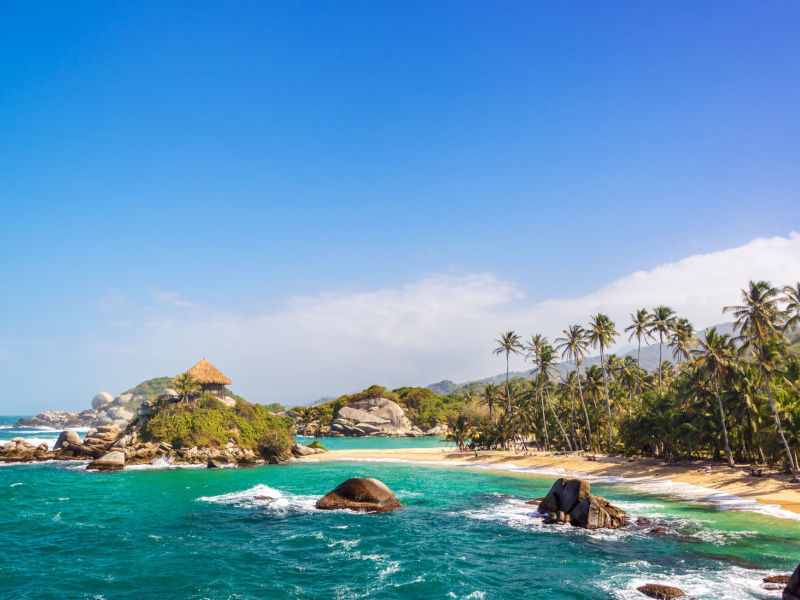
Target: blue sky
[{"x": 165, "y": 167}]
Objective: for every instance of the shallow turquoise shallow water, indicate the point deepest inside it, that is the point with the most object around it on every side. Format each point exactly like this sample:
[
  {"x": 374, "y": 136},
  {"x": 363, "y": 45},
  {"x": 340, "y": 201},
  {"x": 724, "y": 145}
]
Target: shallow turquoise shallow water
[{"x": 197, "y": 533}]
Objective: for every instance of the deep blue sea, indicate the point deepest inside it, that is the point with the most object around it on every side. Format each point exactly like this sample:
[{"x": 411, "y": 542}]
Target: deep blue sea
[{"x": 463, "y": 533}]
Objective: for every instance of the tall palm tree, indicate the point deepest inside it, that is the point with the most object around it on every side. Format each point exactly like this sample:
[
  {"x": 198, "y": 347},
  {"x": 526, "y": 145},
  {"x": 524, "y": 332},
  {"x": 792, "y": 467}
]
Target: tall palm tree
[
  {"x": 791, "y": 296},
  {"x": 547, "y": 368},
  {"x": 573, "y": 346},
  {"x": 508, "y": 343},
  {"x": 714, "y": 354},
  {"x": 186, "y": 385},
  {"x": 639, "y": 328},
  {"x": 682, "y": 339},
  {"x": 490, "y": 393},
  {"x": 459, "y": 429},
  {"x": 661, "y": 321},
  {"x": 758, "y": 319},
  {"x": 601, "y": 335}
]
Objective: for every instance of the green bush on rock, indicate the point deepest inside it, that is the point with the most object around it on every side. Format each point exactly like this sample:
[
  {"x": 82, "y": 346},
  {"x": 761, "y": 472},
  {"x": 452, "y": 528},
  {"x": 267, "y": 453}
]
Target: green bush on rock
[{"x": 209, "y": 423}]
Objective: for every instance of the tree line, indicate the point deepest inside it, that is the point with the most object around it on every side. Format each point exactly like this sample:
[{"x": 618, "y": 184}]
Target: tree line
[{"x": 736, "y": 396}]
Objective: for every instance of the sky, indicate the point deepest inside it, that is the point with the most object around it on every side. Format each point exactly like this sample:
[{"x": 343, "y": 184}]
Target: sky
[{"x": 319, "y": 196}]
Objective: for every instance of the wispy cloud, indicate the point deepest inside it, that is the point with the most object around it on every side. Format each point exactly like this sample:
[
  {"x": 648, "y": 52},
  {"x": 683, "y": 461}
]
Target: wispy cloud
[{"x": 441, "y": 326}]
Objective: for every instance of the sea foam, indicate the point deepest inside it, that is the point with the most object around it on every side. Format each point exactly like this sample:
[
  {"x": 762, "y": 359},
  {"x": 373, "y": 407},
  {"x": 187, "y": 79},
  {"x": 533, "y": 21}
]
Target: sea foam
[{"x": 264, "y": 497}]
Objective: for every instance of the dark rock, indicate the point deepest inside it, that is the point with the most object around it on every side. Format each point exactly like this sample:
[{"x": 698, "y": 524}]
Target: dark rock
[
  {"x": 792, "y": 590},
  {"x": 564, "y": 495},
  {"x": 658, "y": 531},
  {"x": 361, "y": 495},
  {"x": 595, "y": 512},
  {"x": 661, "y": 592},
  {"x": 216, "y": 463}
]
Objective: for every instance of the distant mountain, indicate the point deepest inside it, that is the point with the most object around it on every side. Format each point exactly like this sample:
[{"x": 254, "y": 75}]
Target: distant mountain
[{"x": 648, "y": 361}]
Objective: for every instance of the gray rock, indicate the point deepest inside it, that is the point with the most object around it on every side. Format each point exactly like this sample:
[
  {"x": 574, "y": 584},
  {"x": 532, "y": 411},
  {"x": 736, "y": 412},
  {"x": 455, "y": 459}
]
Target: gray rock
[
  {"x": 70, "y": 437},
  {"x": 170, "y": 393},
  {"x": 111, "y": 461},
  {"x": 360, "y": 416},
  {"x": 101, "y": 400},
  {"x": 792, "y": 589}
]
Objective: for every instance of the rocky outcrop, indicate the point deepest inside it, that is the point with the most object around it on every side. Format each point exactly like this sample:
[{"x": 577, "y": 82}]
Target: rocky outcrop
[
  {"x": 111, "y": 461},
  {"x": 20, "y": 450},
  {"x": 792, "y": 589},
  {"x": 361, "y": 495},
  {"x": 98, "y": 441},
  {"x": 570, "y": 501},
  {"x": 300, "y": 450},
  {"x": 438, "y": 430},
  {"x": 105, "y": 410},
  {"x": 374, "y": 416},
  {"x": 661, "y": 592}
]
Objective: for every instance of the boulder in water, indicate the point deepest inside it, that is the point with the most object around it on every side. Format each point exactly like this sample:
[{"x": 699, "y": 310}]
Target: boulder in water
[
  {"x": 792, "y": 589},
  {"x": 661, "y": 592},
  {"x": 66, "y": 439},
  {"x": 111, "y": 461},
  {"x": 360, "y": 494},
  {"x": 570, "y": 501}
]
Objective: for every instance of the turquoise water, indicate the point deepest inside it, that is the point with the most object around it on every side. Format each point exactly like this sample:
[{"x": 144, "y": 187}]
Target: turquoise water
[{"x": 204, "y": 534}]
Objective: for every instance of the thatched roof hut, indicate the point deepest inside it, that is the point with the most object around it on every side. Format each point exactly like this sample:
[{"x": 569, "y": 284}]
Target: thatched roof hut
[{"x": 211, "y": 380}]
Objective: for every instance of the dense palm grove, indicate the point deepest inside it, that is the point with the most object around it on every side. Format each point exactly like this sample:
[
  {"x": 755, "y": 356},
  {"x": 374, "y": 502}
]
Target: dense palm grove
[{"x": 727, "y": 397}]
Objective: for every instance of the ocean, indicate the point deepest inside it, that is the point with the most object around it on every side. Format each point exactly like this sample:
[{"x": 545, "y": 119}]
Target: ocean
[{"x": 463, "y": 533}]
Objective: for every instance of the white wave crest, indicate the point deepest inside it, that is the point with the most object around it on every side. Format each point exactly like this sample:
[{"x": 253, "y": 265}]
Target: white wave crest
[
  {"x": 162, "y": 463},
  {"x": 265, "y": 497}
]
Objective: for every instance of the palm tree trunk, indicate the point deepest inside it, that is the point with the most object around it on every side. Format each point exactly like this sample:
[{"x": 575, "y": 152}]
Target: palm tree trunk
[
  {"x": 660, "y": 347},
  {"x": 608, "y": 403},
  {"x": 777, "y": 417},
  {"x": 728, "y": 456},
  {"x": 572, "y": 416},
  {"x": 544, "y": 421},
  {"x": 508, "y": 392},
  {"x": 638, "y": 366},
  {"x": 561, "y": 427},
  {"x": 585, "y": 412}
]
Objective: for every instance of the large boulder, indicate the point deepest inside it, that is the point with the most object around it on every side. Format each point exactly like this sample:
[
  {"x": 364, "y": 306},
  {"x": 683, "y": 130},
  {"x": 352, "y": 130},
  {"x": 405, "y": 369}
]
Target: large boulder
[
  {"x": 360, "y": 494},
  {"x": 570, "y": 500},
  {"x": 111, "y": 461},
  {"x": 66, "y": 439},
  {"x": 360, "y": 416},
  {"x": 101, "y": 400},
  {"x": 564, "y": 495},
  {"x": 661, "y": 592},
  {"x": 792, "y": 589}
]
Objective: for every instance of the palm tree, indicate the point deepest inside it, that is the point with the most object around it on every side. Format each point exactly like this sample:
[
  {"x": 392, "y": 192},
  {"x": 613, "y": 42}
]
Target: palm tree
[
  {"x": 714, "y": 354},
  {"x": 639, "y": 328},
  {"x": 661, "y": 321},
  {"x": 490, "y": 393},
  {"x": 573, "y": 346},
  {"x": 547, "y": 367},
  {"x": 459, "y": 429},
  {"x": 791, "y": 296},
  {"x": 508, "y": 343},
  {"x": 306, "y": 414},
  {"x": 758, "y": 320},
  {"x": 601, "y": 334},
  {"x": 681, "y": 340},
  {"x": 186, "y": 386}
]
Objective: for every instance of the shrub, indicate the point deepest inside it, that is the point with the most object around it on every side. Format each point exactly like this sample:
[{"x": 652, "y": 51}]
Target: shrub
[{"x": 316, "y": 444}]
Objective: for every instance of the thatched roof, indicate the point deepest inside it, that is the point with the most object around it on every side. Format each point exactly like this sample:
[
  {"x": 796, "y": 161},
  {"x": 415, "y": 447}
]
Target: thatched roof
[{"x": 205, "y": 372}]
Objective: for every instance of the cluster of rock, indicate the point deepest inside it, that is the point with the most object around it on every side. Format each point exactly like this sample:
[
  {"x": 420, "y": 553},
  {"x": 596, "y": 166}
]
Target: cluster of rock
[
  {"x": 300, "y": 450},
  {"x": 377, "y": 416},
  {"x": 570, "y": 501},
  {"x": 361, "y": 495},
  {"x": 20, "y": 450},
  {"x": 105, "y": 410}
]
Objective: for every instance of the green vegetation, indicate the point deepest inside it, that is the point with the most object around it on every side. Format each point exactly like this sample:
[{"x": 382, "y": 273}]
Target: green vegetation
[
  {"x": 737, "y": 397},
  {"x": 316, "y": 444},
  {"x": 207, "y": 422},
  {"x": 150, "y": 388}
]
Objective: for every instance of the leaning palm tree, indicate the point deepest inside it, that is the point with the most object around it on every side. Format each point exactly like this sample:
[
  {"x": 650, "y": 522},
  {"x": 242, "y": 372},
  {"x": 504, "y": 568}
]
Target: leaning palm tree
[
  {"x": 459, "y": 429},
  {"x": 508, "y": 343},
  {"x": 186, "y": 385},
  {"x": 791, "y": 296},
  {"x": 681, "y": 340},
  {"x": 546, "y": 364},
  {"x": 758, "y": 320},
  {"x": 714, "y": 354},
  {"x": 639, "y": 328},
  {"x": 601, "y": 334},
  {"x": 661, "y": 321},
  {"x": 573, "y": 346}
]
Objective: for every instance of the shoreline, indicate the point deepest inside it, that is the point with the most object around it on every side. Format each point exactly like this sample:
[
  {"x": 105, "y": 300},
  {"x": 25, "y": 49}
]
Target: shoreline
[{"x": 723, "y": 487}]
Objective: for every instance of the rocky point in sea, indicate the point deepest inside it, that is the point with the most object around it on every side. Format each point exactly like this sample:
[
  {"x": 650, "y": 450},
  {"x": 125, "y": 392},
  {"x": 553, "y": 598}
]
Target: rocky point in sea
[
  {"x": 175, "y": 432},
  {"x": 360, "y": 494},
  {"x": 570, "y": 501}
]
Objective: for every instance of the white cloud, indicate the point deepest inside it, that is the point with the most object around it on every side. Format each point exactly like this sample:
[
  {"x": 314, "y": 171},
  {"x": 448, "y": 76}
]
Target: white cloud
[{"x": 441, "y": 326}]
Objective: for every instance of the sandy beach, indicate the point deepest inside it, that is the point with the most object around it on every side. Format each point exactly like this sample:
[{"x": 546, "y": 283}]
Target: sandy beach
[{"x": 773, "y": 490}]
